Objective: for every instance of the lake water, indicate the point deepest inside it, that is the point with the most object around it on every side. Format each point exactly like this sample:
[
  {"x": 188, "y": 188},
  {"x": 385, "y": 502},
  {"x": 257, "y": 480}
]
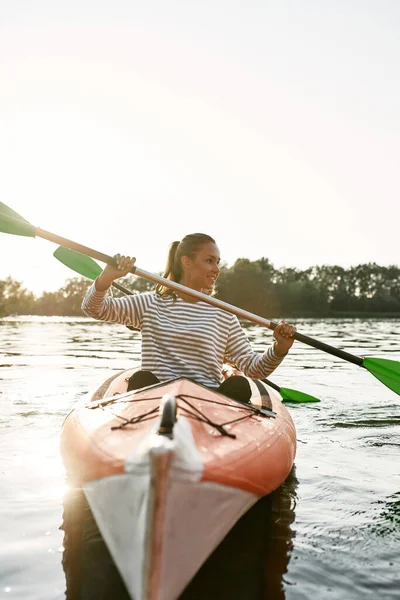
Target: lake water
[{"x": 331, "y": 531}]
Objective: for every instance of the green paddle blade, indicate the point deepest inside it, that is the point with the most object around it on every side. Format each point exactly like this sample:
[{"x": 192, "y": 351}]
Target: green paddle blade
[
  {"x": 387, "y": 371},
  {"x": 289, "y": 395},
  {"x": 295, "y": 396},
  {"x": 12, "y": 222},
  {"x": 82, "y": 264}
]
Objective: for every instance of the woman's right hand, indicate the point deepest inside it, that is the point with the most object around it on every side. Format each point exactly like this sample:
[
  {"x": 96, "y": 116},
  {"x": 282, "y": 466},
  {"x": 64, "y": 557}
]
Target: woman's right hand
[{"x": 123, "y": 266}]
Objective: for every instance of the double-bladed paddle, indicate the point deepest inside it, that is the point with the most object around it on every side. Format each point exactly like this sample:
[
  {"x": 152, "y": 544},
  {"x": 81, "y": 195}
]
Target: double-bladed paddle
[
  {"x": 84, "y": 265},
  {"x": 387, "y": 371}
]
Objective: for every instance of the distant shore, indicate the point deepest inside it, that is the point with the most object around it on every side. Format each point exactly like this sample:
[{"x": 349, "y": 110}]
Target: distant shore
[
  {"x": 293, "y": 317},
  {"x": 321, "y": 292}
]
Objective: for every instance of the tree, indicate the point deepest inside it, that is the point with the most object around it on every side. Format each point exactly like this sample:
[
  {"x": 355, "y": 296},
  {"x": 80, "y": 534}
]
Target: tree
[
  {"x": 66, "y": 301},
  {"x": 255, "y": 286},
  {"x": 14, "y": 299}
]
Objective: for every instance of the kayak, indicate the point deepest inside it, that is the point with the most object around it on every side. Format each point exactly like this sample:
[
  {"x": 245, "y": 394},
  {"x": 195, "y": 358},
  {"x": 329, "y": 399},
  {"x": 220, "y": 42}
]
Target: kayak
[{"x": 169, "y": 469}]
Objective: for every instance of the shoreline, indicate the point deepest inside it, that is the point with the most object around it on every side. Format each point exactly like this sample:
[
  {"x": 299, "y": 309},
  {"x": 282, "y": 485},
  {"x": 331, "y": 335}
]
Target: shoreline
[{"x": 321, "y": 317}]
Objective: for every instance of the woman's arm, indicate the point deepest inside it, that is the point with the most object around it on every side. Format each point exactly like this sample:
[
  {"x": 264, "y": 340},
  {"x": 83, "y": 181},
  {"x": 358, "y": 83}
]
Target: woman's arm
[
  {"x": 284, "y": 336},
  {"x": 110, "y": 273},
  {"x": 254, "y": 364},
  {"x": 127, "y": 310}
]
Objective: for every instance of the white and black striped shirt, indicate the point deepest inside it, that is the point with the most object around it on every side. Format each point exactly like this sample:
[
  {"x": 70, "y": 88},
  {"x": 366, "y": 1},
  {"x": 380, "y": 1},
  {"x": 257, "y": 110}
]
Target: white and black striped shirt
[{"x": 183, "y": 339}]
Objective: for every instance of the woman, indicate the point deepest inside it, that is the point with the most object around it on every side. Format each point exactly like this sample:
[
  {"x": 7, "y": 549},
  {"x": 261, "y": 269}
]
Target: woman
[{"x": 182, "y": 336}]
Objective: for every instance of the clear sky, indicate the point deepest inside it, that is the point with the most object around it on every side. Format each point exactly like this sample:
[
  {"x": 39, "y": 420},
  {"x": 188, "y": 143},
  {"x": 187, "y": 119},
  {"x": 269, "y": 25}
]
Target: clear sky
[{"x": 273, "y": 125}]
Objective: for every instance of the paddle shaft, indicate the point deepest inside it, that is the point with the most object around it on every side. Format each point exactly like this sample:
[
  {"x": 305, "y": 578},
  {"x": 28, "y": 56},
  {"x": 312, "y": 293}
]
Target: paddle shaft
[
  {"x": 239, "y": 312},
  {"x": 273, "y": 385},
  {"x": 121, "y": 288}
]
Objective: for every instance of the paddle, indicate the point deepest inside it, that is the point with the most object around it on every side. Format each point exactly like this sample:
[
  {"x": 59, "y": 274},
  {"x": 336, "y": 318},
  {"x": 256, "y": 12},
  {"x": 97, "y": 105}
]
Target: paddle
[
  {"x": 387, "y": 371},
  {"x": 87, "y": 267},
  {"x": 83, "y": 265}
]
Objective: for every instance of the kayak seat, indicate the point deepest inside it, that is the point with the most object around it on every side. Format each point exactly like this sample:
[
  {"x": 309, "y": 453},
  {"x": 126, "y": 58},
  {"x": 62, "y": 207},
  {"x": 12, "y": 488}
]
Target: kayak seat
[
  {"x": 141, "y": 379},
  {"x": 236, "y": 387}
]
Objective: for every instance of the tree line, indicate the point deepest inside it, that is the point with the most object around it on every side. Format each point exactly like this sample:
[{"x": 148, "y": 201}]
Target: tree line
[{"x": 256, "y": 286}]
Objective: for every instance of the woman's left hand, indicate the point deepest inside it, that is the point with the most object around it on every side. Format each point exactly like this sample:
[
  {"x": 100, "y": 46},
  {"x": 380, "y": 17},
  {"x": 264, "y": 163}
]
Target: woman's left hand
[{"x": 284, "y": 335}]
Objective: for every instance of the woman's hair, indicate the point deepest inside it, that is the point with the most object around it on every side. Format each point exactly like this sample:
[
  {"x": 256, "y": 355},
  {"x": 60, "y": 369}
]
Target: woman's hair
[{"x": 187, "y": 247}]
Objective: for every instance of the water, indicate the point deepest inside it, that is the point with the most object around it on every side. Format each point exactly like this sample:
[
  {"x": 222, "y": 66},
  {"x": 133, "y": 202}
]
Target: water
[{"x": 332, "y": 531}]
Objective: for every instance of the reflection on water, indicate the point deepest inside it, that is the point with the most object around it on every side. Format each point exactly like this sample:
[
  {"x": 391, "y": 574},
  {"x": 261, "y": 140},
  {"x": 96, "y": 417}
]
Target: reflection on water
[
  {"x": 249, "y": 564},
  {"x": 342, "y": 539}
]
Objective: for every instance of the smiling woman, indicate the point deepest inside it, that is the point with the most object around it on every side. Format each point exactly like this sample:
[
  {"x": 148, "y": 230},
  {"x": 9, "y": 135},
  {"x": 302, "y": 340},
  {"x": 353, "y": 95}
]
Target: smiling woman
[
  {"x": 194, "y": 262},
  {"x": 182, "y": 336}
]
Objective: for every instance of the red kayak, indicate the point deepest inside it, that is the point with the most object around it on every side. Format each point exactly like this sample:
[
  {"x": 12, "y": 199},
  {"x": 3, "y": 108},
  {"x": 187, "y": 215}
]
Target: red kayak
[{"x": 169, "y": 469}]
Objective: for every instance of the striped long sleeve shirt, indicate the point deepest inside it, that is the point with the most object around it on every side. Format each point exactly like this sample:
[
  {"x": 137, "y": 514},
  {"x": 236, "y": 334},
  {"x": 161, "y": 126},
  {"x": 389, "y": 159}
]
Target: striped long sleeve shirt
[{"x": 183, "y": 339}]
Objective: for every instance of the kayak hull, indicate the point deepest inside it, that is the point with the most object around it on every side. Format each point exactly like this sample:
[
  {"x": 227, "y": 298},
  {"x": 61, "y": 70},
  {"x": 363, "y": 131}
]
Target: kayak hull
[{"x": 163, "y": 503}]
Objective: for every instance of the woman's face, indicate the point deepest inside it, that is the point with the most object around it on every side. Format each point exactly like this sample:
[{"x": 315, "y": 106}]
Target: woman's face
[{"x": 201, "y": 272}]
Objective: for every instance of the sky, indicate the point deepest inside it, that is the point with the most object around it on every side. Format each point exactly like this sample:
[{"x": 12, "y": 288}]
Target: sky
[{"x": 271, "y": 125}]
